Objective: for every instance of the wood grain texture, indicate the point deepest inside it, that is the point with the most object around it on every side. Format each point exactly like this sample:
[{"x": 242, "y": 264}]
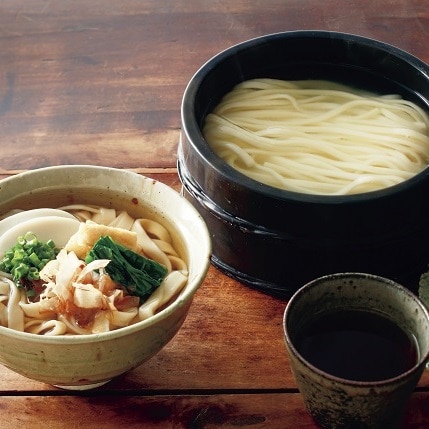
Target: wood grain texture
[
  {"x": 226, "y": 411},
  {"x": 101, "y": 82}
]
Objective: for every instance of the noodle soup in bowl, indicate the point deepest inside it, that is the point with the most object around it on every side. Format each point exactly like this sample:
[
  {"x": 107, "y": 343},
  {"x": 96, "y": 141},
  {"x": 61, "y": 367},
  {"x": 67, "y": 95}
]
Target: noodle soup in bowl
[
  {"x": 276, "y": 236},
  {"x": 90, "y": 351}
]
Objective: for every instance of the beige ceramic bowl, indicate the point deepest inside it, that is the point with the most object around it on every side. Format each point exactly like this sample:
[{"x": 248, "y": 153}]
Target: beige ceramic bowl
[{"x": 87, "y": 361}]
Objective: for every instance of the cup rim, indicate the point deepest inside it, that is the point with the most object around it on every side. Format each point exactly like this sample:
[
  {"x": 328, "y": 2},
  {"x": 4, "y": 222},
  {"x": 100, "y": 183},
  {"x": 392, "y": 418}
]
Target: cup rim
[{"x": 423, "y": 358}]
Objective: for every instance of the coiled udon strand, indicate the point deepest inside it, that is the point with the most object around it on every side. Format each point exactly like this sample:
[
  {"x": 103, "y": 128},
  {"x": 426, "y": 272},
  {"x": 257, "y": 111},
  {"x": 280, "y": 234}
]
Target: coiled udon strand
[{"x": 318, "y": 137}]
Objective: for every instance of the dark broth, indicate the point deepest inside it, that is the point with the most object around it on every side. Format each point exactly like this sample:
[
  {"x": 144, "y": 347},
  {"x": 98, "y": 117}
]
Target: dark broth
[{"x": 357, "y": 345}]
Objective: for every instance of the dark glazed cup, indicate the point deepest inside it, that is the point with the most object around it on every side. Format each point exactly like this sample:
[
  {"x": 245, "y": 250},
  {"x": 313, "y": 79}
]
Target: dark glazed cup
[{"x": 338, "y": 403}]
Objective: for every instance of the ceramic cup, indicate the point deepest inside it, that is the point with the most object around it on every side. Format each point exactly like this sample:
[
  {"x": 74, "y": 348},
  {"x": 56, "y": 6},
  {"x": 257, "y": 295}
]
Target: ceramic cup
[{"x": 336, "y": 400}]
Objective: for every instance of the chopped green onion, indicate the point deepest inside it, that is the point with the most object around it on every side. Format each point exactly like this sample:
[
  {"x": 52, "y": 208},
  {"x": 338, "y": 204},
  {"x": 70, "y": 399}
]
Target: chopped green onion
[
  {"x": 27, "y": 257},
  {"x": 34, "y": 259}
]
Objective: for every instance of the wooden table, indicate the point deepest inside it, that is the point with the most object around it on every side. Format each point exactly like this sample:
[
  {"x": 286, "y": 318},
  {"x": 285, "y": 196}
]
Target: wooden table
[{"x": 100, "y": 82}]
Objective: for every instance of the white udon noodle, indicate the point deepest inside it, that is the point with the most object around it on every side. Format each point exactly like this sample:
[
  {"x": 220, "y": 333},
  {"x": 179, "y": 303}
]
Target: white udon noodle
[
  {"x": 318, "y": 137},
  {"x": 17, "y": 312}
]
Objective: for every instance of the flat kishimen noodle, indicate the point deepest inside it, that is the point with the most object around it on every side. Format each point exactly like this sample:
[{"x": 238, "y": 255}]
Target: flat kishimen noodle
[
  {"x": 78, "y": 296},
  {"x": 318, "y": 137}
]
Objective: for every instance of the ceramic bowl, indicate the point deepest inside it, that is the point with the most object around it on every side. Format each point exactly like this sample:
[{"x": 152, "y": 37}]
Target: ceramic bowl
[
  {"x": 276, "y": 240},
  {"x": 87, "y": 361}
]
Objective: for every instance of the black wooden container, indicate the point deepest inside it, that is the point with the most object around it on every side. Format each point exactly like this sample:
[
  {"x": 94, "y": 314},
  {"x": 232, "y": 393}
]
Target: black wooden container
[{"x": 276, "y": 240}]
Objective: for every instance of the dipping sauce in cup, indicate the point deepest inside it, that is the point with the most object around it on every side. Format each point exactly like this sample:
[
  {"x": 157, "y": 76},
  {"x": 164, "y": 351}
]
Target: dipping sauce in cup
[{"x": 358, "y": 344}]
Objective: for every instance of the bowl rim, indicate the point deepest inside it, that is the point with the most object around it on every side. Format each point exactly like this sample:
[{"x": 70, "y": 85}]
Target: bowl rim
[
  {"x": 190, "y": 126},
  {"x": 184, "y": 298}
]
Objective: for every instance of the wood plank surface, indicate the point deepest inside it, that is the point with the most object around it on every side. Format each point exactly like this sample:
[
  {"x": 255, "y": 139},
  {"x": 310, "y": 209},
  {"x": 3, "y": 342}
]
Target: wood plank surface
[
  {"x": 226, "y": 411},
  {"x": 101, "y": 82}
]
